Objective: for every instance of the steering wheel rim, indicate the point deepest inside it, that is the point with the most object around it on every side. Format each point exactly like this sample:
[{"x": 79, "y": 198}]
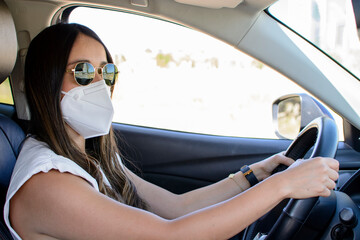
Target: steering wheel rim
[{"x": 321, "y": 134}]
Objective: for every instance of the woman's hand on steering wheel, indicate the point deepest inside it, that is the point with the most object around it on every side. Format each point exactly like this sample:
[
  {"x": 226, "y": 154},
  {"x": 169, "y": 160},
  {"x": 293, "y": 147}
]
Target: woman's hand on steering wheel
[
  {"x": 264, "y": 168},
  {"x": 310, "y": 178},
  {"x": 304, "y": 180}
]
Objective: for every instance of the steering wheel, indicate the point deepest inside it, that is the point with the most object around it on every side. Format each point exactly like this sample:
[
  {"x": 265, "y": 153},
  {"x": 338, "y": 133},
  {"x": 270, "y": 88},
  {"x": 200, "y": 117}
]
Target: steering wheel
[{"x": 321, "y": 134}]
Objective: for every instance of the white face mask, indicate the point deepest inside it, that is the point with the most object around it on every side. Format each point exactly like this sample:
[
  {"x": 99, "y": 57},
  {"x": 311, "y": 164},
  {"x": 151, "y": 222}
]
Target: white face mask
[{"x": 88, "y": 109}]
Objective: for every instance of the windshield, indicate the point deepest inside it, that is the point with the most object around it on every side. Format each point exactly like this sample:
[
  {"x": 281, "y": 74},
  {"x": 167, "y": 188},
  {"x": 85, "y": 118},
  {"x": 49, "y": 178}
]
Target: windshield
[{"x": 328, "y": 24}]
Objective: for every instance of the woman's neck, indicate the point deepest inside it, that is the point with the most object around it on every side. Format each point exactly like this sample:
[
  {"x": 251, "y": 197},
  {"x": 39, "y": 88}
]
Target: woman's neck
[{"x": 76, "y": 137}]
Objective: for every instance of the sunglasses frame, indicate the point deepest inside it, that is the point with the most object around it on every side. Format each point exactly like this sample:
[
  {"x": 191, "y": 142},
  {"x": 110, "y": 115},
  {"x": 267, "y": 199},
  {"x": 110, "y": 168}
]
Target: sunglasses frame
[{"x": 98, "y": 70}]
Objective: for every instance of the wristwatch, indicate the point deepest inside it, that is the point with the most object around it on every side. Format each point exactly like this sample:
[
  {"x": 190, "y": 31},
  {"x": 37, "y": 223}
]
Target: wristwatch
[{"x": 249, "y": 175}]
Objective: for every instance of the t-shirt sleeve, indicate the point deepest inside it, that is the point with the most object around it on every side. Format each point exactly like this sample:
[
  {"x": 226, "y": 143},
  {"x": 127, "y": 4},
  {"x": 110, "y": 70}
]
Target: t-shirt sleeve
[{"x": 34, "y": 159}]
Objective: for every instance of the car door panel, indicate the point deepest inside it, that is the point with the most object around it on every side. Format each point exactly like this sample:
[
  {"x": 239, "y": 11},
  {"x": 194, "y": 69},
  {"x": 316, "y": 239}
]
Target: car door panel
[{"x": 181, "y": 161}]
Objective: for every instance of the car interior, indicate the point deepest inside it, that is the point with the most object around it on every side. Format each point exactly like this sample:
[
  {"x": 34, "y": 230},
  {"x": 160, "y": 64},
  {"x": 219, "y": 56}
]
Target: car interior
[
  {"x": 181, "y": 161},
  {"x": 11, "y": 135}
]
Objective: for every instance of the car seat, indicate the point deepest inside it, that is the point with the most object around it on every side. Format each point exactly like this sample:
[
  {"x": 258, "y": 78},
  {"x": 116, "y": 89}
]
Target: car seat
[{"x": 11, "y": 135}]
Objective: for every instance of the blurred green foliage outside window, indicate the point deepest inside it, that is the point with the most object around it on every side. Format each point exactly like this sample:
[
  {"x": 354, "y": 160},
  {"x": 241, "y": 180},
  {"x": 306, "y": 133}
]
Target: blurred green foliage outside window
[{"x": 5, "y": 93}]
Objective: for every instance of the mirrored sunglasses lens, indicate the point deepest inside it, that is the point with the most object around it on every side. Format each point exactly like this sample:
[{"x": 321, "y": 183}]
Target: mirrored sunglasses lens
[
  {"x": 84, "y": 73},
  {"x": 110, "y": 73}
]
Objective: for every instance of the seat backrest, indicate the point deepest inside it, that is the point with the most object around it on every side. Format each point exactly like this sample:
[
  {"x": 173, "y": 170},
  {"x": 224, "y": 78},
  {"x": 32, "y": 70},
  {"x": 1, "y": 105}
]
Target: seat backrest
[
  {"x": 11, "y": 138},
  {"x": 11, "y": 135}
]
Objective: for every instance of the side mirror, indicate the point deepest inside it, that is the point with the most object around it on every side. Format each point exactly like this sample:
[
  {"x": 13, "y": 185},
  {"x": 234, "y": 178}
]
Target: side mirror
[{"x": 291, "y": 113}]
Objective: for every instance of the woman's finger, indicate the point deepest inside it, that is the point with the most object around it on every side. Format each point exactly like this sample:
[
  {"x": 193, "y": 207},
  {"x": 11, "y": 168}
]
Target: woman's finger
[
  {"x": 333, "y": 175},
  {"x": 280, "y": 158},
  {"x": 325, "y": 193},
  {"x": 333, "y": 163},
  {"x": 330, "y": 184}
]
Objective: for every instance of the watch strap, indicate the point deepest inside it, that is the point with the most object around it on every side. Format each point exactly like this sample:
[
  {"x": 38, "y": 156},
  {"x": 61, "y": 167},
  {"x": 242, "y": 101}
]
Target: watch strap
[{"x": 249, "y": 175}]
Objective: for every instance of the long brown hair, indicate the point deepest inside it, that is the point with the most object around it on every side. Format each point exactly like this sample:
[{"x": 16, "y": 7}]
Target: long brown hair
[{"x": 45, "y": 66}]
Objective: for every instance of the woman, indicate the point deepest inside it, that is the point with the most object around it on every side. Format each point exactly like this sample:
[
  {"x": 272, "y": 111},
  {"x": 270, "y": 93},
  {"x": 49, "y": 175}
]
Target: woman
[{"x": 69, "y": 182}]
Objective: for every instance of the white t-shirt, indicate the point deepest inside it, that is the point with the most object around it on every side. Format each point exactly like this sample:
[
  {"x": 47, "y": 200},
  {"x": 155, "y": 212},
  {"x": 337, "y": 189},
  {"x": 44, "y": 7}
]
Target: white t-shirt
[{"x": 36, "y": 157}]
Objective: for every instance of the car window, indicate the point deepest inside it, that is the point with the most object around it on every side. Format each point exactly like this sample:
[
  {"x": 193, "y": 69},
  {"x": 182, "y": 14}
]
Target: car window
[
  {"x": 172, "y": 77},
  {"x": 5, "y": 93}
]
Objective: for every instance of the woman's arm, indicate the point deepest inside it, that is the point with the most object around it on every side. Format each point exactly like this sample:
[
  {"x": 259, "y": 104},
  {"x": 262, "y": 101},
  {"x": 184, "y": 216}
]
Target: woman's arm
[
  {"x": 65, "y": 206},
  {"x": 170, "y": 206}
]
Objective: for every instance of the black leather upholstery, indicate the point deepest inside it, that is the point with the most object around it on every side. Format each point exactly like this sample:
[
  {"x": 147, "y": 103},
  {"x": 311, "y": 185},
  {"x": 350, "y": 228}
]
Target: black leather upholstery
[
  {"x": 11, "y": 138},
  {"x": 11, "y": 135}
]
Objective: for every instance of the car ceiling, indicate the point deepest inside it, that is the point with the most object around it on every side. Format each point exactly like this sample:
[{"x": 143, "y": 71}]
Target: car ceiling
[
  {"x": 33, "y": 15},
  {"x": 241, "y": 23}
]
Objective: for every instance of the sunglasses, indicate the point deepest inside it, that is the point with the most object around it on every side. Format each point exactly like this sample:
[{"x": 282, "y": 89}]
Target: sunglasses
[{"x": 84, "y": 73}]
